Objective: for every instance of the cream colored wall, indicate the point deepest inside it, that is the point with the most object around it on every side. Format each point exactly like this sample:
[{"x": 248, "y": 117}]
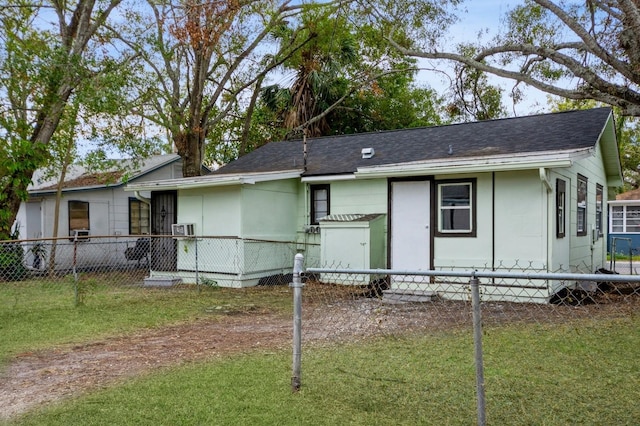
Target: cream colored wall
[
  {"x": 268, "y": 210},
  {"x": 466, "y": 252},
  {"x": 214, "y": 211},
  {"x": 521, "y": 219},
  {"x": 346, "y": 197},
  {"x": 587, "y": 255}
]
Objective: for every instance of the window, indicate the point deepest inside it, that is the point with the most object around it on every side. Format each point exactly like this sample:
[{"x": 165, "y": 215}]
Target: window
[
  {"x": 599, "y": 195},
  {"x": 319, "y": 203},
  {"x": 581, "y": 222},
  {"x": 625, "y": 219},
  {"x": 456, "y": 215},
  {"x": 561, "y": 199},
  {"x": 138, "y": 217},
  {"x": 78, "y": 216}
]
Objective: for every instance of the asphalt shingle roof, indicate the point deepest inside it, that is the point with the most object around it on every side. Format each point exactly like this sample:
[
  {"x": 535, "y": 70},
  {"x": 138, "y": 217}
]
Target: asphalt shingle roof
[{"x": 342, "y": 154}]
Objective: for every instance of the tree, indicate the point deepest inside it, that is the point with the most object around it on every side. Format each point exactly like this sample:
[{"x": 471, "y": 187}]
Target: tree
[
  {"x": 346, "y": 80},
  {"x": 576, "y": 50},
  {"x": 627, "y": 131},
  {"x": 39, "y": 70},
  {"x": 202, "y": 60}
]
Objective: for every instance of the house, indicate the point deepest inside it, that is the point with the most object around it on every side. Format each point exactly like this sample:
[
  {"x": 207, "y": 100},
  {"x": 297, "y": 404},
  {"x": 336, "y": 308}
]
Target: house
[
  {"x": 624, "y": 223},
  {"x": 524, "y": 193},
  {"x": 95, "y": 205}
]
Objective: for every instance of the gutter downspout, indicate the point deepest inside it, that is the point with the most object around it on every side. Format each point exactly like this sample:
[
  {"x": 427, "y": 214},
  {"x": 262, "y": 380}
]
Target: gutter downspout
[
  {"x": 141, "y": 198},
  {"x": 493, "y": 222},
  {"x": 545, "y": 179}
]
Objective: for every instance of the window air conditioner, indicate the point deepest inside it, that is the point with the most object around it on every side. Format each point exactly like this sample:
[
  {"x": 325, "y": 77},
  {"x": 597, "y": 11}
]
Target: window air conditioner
[
  {"x": 182, "y": 229},
  {"x": 80, "y": 235}
]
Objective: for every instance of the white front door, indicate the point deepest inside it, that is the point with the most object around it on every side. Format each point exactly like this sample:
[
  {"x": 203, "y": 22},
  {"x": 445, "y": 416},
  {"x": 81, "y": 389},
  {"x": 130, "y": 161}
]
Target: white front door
[{"x": 410, "y": 222}]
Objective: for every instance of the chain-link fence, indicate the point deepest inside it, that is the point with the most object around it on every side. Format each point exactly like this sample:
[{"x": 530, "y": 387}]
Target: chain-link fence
[
  {"x": 118, "y": 263},
  {"x": 342, "y": 305}
]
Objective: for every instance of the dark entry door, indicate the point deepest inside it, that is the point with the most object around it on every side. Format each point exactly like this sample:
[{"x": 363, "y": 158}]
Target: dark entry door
[{"x": 164, "y": 212}]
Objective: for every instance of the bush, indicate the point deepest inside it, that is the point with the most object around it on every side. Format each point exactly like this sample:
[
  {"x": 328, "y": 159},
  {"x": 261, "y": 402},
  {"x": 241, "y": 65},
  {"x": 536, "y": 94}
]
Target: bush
[{"x": 12, "y": 262}]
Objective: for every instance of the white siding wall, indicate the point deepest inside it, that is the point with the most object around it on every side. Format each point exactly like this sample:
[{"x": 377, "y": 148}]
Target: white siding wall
[{"x": 103, "y": 204}]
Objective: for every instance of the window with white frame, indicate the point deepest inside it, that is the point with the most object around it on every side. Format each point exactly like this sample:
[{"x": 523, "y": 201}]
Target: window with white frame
[
  {"x": 625, "y": 219},
  {"x": 581, "y": 219},
  {"x": 456, "y": 213}
]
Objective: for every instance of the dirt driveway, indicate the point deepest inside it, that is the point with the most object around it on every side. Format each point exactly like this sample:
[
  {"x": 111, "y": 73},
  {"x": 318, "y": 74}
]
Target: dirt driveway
[{"x": 36, "y": 378}]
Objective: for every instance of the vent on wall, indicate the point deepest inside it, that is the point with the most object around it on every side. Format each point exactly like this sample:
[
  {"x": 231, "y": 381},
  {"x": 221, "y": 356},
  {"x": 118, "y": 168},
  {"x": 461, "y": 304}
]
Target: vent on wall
[{"x": 368, "y": 153}]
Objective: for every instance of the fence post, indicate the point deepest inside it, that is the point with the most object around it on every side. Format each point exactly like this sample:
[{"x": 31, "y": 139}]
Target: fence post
[
  {"x": 477, "y": 339},
  {"x": 297, "y": 321},
  {"x": 76, "y": 293}
]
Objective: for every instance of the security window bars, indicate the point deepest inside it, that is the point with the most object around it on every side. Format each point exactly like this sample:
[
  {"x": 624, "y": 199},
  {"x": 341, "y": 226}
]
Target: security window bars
[
  {"x": 319, "y": 202},
  {"x": 456, "y": 216},
  {"x": 581, "y": 220},
  {"x": 138, "y": 217}
]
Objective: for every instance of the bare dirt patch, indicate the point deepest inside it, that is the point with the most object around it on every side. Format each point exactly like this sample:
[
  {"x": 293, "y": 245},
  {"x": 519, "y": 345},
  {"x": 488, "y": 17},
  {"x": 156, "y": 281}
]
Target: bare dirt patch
[{"x": 37, "y": 378}]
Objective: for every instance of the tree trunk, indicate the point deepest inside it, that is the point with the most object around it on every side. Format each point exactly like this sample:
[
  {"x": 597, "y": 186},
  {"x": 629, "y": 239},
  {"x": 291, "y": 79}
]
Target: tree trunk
[{"x": 190, "y": 147}]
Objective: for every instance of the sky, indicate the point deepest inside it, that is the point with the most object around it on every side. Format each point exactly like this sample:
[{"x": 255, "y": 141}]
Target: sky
[{"x": 486, "y": 15}]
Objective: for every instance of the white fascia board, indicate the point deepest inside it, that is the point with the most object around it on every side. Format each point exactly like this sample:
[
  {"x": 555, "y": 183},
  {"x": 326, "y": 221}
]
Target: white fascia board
[
  {"x": 623, "y": 202},
  {"x": 328, "y": 178},
  {"x": 213, "y": 180},
  {"x": 477, "y": 164}
]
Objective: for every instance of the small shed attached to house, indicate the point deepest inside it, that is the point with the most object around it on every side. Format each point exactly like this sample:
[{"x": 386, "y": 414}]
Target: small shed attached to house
[{"x": 523, "y": 193}]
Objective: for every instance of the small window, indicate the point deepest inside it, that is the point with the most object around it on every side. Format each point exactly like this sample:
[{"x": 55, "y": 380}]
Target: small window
[
  {"x": 138, "y": 217},
  {"x": 632, "y": 219},
  {"x": 561, "y": 200},
  {"x": 78, "y": 216},
  {"x": 581, "y": 222},
  {"x": 599, "y": 195},
  {"x": 456, "y": 215},
  {"x": 617, "y": 219},
  {"x": 319, "y": 203}
]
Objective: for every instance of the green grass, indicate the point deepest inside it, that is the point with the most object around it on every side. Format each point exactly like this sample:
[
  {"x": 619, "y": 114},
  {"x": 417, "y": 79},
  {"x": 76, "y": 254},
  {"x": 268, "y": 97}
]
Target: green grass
[
  {"x": 39, "y": 314},
  {"x": 577, "y": 373}
]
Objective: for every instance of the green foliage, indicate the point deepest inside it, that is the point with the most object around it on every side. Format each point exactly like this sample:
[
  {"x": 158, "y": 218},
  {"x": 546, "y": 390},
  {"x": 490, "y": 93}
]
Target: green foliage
[
  {"x": 12, "y": 262},
  {"x": 627, "y": 131},
  {"x": 347, "y": 80}
]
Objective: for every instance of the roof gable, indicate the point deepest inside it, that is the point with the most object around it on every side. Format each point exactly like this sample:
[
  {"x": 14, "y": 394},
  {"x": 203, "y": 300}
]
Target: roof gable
[
  {"x": 556, "y": 132},
  {"x": 80, "y": 178}
]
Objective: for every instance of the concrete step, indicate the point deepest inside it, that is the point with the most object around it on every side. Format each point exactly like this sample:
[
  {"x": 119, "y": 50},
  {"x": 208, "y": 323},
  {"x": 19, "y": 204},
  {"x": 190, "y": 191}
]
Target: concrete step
[
  {"x": 407, "y": 296},
  {"x": 161, "y": 281}
]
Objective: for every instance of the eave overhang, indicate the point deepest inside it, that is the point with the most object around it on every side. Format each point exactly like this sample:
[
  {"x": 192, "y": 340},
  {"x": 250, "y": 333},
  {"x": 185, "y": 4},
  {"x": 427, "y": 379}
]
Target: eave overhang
[
  {"x": 527, "y": 161},
  {"x": 213, "y": 181}
]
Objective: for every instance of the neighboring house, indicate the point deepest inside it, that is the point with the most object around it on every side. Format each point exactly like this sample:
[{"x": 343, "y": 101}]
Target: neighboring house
[
  {"x": 523, "y": 193},
  {"x": 624, "y": 223},
  {"x": 95, "y": 205}
]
